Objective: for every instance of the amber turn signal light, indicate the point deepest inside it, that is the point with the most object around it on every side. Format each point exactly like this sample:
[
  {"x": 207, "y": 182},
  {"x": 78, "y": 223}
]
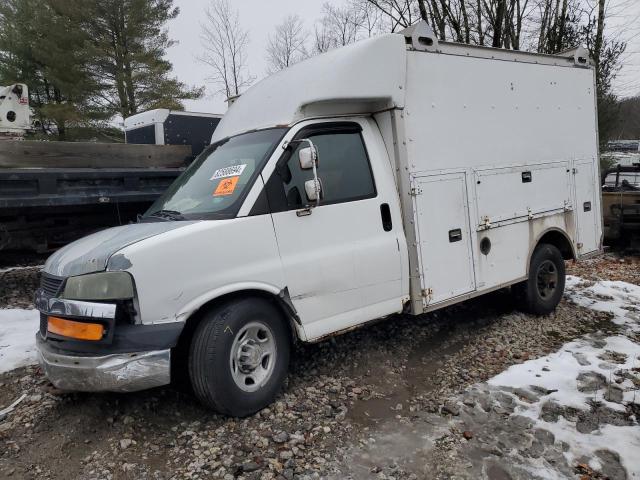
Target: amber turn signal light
[{"x": 71, "y": 329}]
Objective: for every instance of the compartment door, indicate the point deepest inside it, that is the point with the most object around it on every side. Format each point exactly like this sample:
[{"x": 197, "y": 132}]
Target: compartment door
[
  {"x": 442, "y": 214},
  {"x": 587, "y": 207}
]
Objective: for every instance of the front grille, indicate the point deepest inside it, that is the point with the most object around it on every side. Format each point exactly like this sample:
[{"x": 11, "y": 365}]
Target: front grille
[
  {"x": 43, "y": 325},
  {"x": 50, "y": 284}
]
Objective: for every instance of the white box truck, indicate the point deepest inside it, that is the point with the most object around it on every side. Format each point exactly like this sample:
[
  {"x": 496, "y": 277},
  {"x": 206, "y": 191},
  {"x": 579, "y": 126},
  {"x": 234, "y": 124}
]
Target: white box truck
[
  {"x": 398, "y": 174},
  {"x": 15, "y": 113}
]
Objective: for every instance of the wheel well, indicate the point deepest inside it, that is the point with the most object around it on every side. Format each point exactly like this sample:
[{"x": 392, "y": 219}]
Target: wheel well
[
  {"x": 180, "y": 352},
  {"x": 560, "y": 241}
]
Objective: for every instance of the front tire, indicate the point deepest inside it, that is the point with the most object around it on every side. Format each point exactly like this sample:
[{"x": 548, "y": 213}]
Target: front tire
[
  {"x": 239, "y": 356},
  {"x": 542, "y": 292}
]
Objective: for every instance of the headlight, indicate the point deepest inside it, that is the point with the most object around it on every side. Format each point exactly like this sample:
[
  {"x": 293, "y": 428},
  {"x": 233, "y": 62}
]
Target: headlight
[{"x": 99, "y": 286}]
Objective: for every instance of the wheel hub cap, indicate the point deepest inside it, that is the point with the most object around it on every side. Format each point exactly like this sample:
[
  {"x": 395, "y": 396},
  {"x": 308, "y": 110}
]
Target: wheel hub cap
[
  {"x": 249, "y": 356},
  {"x": 253, "y": 356},
  {"x": 547, "y": 279}
]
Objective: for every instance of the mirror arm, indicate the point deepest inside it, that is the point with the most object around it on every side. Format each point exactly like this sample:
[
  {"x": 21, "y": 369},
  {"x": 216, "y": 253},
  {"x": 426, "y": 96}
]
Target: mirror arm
[
  {"x": 315, "y": 161},
  {"x": 316, "y": 182}
]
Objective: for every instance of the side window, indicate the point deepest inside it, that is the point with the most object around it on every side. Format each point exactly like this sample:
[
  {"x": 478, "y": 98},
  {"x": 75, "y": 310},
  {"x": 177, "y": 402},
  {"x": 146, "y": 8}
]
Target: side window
[{"x": 343, "y": 169}]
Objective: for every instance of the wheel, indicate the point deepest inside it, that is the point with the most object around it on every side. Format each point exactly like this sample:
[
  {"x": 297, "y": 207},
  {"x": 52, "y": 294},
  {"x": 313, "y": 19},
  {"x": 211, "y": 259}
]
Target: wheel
[
  {"x": 541, "y": 293},
  {"x": 239, "y": 356}
]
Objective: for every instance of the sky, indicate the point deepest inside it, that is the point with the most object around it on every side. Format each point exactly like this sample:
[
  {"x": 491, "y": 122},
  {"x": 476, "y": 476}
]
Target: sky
[{"x": 260, "y": 17}]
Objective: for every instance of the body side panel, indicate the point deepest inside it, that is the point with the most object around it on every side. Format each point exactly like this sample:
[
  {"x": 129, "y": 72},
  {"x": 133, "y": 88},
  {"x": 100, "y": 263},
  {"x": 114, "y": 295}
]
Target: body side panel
[{"x": 177, "y": 272}]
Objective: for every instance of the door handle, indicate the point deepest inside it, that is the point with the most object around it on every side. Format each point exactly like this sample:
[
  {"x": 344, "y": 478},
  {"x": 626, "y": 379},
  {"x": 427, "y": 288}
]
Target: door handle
[
  {"x": 385, "y": 215},
  {"x": 455, "y": 235},
  {"x": 586, "y": 206}
]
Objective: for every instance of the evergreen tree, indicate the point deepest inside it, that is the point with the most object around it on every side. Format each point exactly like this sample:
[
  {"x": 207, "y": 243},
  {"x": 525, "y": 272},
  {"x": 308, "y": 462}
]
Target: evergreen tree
[
  {"x": 47, "y": 50},
  {"x": 131, "y": 40},
  {"x": 85, "y": 61}
]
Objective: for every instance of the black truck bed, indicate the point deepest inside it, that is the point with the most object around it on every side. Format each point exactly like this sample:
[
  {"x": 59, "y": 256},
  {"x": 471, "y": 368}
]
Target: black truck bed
[{"x": 54, "y": 202}]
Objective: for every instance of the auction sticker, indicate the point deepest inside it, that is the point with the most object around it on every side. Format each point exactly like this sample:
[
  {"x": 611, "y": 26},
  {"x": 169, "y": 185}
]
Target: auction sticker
[
  {"x": 226, "y": 186},
  {"x": 231, "y": 171}
]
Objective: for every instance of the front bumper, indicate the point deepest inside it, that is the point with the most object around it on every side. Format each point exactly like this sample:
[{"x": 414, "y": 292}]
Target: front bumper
[
  {"x": 123, "y": 372},
  {"x": 130, "y": 357}
]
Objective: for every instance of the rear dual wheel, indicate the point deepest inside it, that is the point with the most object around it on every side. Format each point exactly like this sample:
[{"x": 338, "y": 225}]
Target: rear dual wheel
[
  {"x": 542, "y": 291},
  {"x": 239, "y": 356}
]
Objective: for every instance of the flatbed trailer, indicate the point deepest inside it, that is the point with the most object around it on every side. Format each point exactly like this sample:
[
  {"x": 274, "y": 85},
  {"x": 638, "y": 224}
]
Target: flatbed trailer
[{"x": 54, "y": 192}]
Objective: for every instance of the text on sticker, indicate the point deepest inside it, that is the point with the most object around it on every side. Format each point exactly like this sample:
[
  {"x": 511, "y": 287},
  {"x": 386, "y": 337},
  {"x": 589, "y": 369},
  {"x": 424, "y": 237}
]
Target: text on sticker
[
  {"x": 231, "y": 171},
  {"x": 226, "y": 186}
]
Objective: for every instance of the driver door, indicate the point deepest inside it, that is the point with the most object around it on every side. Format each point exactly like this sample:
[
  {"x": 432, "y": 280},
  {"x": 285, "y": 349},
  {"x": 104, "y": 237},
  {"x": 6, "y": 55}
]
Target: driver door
[{"x": 341, "y": 259}]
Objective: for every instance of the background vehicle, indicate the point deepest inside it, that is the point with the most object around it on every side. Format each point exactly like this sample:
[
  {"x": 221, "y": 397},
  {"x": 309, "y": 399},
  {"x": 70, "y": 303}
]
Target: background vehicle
[
  {"x": 54, "y": 192},
  {"x": 621, "y": 205},
  {"x": 397, "y": 174},
  {"x": 172, "y": 127},
  {"x": 14, "y": 111}
]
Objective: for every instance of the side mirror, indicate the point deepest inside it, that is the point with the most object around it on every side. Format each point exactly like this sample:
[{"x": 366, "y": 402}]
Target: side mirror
[
  {"x": 313, "y": 189},
  {"x": 308, "y": 157}
]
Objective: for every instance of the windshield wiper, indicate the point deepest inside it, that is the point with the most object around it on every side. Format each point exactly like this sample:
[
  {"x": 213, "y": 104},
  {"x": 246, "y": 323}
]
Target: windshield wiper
[{"x": 167, "y": 215}]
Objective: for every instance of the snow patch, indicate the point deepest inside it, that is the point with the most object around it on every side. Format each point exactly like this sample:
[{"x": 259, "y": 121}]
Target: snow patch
[
  {"x": 619, "y": 298},
  {"x": 17, "y": 338},
  {"x": 602, "y": 364}
]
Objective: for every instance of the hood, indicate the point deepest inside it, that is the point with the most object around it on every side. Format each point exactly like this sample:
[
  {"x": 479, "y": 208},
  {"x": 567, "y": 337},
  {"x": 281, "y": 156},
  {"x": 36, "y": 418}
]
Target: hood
[{"x": 91, "y": 253}]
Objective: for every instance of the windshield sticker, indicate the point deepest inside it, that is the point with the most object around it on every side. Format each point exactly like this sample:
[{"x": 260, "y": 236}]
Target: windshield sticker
[
  {"x": 231, "y": 171},
  {"x": 226, "y": 186}
]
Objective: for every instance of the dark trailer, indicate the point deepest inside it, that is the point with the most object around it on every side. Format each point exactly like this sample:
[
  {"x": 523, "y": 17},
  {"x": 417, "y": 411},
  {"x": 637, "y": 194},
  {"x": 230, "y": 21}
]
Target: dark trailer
[{"x": 172, "y": 127}]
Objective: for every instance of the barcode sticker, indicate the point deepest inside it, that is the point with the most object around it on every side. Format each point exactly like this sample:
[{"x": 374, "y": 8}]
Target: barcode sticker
[{"x": 232, "y": 171}]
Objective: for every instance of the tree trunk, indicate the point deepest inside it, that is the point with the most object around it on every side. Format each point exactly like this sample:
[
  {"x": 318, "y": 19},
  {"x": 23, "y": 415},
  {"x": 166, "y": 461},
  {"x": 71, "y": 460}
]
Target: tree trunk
[
  {"x": 480, "y": 32},
  {"x": 599, "y": 40},
  {"x": 440, "y": 25},
  {"x": 465, "y": 20},
  {"x": 562, "y": 27},
  {"x": 423, "y": 11},
  {"x": 119, "y": 81},
  {"x": 498, "y": 24},
  {"x": 544, "y": 28}
]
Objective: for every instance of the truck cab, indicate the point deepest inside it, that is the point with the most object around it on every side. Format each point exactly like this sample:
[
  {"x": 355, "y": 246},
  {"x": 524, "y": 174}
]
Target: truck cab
[{"x": 333, "y": 193}]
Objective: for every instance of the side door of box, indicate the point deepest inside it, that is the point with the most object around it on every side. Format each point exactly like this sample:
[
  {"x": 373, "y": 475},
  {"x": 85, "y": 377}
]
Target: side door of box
[
  {"x": 444, "y": 236},
  {"x": 587, "y": 207}
]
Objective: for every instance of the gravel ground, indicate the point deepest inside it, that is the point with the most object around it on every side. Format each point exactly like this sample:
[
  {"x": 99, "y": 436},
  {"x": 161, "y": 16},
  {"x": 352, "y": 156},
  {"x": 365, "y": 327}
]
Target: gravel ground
[
  {"x": 341, "y": 396},
  {"x": 611, "y": 266},
  {"x": 17, "y": 285}
]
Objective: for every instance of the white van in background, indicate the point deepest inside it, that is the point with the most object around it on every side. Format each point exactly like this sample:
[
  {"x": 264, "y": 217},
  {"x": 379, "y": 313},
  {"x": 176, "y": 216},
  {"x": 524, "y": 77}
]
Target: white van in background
[{"x": 398, "y": 174}]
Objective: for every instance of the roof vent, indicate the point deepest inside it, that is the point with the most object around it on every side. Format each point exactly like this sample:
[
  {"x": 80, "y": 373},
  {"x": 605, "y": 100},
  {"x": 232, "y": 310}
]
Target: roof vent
[
  {"x": 421, "y": 37},
  {"x": 580, "y": 56},
  {"x": 232, "y": 98}
]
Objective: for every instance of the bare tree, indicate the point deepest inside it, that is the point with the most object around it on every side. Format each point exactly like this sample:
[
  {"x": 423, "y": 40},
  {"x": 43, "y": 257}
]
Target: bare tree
[
  {"x": 371, "y": 19},
  {"x": 340, "y": 26},
  {"x": 558, "y": 24},
  {"x": 287, "y": 45},
  {"x": 344, "y": 22},
  {"x": 323, "y": 39},
  {"x": 401, "y": 13},
  {"x": 225, "y": 43}
]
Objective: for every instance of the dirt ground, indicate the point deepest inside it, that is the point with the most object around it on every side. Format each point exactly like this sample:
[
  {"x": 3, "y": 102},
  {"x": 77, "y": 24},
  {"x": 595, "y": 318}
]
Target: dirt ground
[{"x": 340, "y": 394}]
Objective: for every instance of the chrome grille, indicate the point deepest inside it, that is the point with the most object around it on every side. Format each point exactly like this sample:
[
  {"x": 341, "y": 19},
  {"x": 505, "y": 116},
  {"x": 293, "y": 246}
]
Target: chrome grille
[{"x": 50, "y": 284}]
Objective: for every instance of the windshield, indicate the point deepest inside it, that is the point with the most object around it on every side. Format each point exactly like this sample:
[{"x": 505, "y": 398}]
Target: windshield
[{"x": 217, "y": 181}]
